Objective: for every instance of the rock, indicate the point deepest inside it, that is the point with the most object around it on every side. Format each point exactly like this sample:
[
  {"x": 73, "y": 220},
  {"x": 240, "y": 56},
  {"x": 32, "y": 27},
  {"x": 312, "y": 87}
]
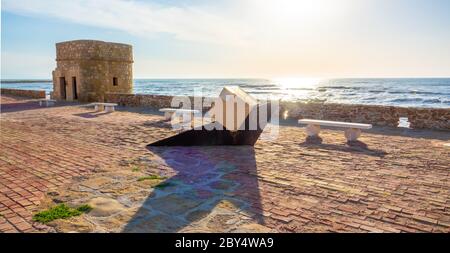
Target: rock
[
  {"x": 174, "y": 204},
  {"x": 197, "y": 215},
  {"x": 221, "y": 222},
  {"x": 103, "y": 207},
  {"x": 53, "y": 194},
  {"x": 221, "y": 185},
  {"x": 226, "y": 204},
  {"x": 75, "y": 224},
  {"x": 253, "y": 228},
  {"x": 154, "y": 224},
  {"x": 96, "y": 183},
  {"x": 117, "y": 222}
]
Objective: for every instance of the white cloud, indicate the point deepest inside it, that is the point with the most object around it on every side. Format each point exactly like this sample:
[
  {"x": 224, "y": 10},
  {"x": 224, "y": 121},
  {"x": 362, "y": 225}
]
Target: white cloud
[
  {"x": 137, "y": 18},
  {"x": 278, "y": 38}
]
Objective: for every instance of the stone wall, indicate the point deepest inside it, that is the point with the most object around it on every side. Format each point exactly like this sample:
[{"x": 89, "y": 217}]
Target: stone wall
[
  {"x": 154, "y": 101},
  {"x": 425, "y": 118},
  {"x": 429, "y": 118},
  {"x": 24, "y": 93},
  {"x": 379, "y": 115},
  {"x": 91, "y": 66}
]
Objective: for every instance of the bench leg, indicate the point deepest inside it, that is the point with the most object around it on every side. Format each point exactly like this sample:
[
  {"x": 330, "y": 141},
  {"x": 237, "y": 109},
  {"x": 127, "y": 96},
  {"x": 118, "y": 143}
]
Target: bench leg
[
  {"x": 312, "y": 130},
  {"x": 182, "y": 117},
  {"x": 352, "y": 134},
  {"x": 168, "y": 115},
  {"x": 109, "y": 108},
  {"x": 187, "y": 120},
  {"x": 99, "y": 108}
]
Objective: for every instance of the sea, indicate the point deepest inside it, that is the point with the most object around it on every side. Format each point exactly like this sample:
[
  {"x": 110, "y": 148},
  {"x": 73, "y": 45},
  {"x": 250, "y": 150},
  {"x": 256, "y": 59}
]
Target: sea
[{"x": 405, "y": 92}]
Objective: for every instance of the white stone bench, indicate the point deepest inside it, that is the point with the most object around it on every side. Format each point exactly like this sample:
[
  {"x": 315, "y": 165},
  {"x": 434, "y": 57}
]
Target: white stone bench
[
  {"x": 168, "y": 112},
  {"x": 108, "y": 107},
  {"x": 47, "y": 102},
  {"x": 352, "y": 132}
]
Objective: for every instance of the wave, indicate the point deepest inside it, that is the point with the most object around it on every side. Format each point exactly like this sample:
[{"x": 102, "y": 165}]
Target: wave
[
  {"x": 340, "y": 87},
  {"x": 257, "y": 85},
  {"x": 300, "y": 89},
  {"x": 377, "y": 91},
  {"x": 432, "y": 101},
  {"x": 280, "y": 92},
  {"x": 403, "y": 100},
  {"x": 418, "y": 92},
  {"x": 427, "y": 92}
]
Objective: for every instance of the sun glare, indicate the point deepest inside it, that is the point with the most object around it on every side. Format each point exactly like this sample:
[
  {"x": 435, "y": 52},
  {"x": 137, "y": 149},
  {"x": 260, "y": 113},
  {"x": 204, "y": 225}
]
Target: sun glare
[{"x": 296, "y": 82}]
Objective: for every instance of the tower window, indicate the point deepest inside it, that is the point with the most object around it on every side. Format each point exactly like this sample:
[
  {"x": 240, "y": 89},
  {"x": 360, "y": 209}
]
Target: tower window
[{"x": 115, "y": 81}]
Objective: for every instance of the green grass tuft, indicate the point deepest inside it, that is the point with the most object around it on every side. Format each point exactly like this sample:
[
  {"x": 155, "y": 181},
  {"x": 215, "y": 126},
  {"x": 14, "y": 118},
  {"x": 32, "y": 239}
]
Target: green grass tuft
[
  {"x": 151, "y": 177},
  {"x": 61, "y": 211},
  {"x": 135, "y": 169},
  {"x": 164, "y": 185},
  {"x": 84, "y": 208}
]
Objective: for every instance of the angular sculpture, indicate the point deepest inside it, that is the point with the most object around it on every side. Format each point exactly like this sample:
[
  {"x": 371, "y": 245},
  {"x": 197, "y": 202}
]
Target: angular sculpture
[{"x": 237, "y": 119}]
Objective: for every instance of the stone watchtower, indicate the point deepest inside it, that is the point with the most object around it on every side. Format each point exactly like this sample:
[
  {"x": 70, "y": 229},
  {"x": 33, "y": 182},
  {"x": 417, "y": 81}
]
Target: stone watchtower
[{"x": 87, "y": 69}]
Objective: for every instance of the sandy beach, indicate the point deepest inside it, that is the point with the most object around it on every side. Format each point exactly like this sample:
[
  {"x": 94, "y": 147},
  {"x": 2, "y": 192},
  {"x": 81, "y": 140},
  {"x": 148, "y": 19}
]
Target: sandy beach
[{"x": 395, "y": 180}]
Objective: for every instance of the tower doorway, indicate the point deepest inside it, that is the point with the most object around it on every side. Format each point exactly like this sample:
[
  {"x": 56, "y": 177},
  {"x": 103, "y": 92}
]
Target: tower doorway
[
  {"x": 62, "y": 83},
  {"x": 74, "y": 88}
]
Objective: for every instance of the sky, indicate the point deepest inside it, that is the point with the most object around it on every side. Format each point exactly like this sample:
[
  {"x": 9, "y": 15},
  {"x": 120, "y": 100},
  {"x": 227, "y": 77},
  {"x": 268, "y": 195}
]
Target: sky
[{"x": 236, "y": 38}]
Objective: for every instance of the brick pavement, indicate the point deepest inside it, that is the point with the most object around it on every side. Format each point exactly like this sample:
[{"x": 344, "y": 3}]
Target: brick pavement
[{"x": 400, "y": 183}]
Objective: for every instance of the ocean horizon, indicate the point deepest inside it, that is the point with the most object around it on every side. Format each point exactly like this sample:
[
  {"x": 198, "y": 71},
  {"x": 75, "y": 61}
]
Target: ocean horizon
[{"x": 404, "y": 92}]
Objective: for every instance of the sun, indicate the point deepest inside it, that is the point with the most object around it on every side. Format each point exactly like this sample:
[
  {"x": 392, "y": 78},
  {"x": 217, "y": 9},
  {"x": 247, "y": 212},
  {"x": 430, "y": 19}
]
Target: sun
[{"x": 297, "y": 82}]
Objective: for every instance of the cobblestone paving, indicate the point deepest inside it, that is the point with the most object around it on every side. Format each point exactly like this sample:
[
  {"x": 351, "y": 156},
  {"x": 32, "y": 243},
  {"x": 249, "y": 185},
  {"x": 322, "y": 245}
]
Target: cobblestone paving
[{"x": 399, "y": 182}]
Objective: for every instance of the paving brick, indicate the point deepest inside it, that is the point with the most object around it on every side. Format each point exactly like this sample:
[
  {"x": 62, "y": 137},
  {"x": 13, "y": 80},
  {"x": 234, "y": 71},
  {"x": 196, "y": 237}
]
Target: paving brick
[
  {"x": 22, "y": 226},
  {"x": 424, "y": 219}
]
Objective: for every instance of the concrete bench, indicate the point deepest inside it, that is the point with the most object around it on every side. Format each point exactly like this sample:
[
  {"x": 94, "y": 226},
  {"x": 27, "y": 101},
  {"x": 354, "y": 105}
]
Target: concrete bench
[
  {"x": 168, "y": 112},
  {"x": 108, "y": 107},
  {"x": 352, "y": 132},
  {"x": 47, "y": 102}
]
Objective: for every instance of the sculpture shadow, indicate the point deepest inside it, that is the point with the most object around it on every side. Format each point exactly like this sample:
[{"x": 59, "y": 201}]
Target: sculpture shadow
[{"x": 205, "y": 177}]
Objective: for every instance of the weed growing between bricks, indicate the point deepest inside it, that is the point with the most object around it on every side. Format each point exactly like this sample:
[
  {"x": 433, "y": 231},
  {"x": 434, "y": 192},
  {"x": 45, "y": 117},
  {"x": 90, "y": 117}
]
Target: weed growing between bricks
[{"x": 61, "y": 211}]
